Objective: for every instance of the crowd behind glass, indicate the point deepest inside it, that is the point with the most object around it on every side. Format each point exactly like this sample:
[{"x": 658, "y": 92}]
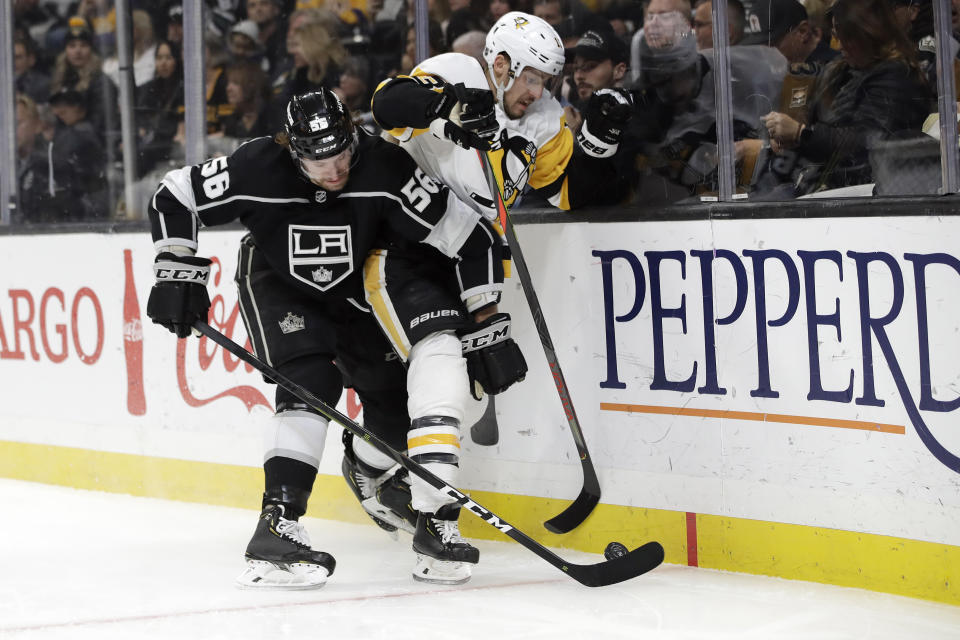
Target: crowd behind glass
[{"x": 826, "y": 94}]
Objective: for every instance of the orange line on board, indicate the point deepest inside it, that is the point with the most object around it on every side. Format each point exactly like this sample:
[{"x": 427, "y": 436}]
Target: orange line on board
[{"x": 750, "y": 415}]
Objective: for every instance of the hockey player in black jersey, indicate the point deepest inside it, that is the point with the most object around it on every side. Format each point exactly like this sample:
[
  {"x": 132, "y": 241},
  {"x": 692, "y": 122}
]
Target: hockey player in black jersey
[{"x": 324, "y": 205}]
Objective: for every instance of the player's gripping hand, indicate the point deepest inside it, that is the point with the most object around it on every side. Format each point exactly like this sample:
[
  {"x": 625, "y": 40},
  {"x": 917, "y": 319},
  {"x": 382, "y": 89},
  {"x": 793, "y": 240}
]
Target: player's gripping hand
[
  {"x": 604, "y": 121},
  {"x": 466, "y": 117},
  {"x": 494, "y": 361},
  {"x": 179, "y": 296}
]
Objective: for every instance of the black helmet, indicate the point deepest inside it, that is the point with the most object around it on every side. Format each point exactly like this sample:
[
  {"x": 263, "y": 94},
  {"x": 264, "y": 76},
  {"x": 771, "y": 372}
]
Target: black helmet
[{"x": 318, "y": 125}]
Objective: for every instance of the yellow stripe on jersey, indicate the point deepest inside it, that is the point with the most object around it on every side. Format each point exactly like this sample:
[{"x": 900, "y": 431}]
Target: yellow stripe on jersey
[
  {"x": 451, "y": 439},
  {"x": 375, "y": 287},
  {"x": 552, "y": 159}
]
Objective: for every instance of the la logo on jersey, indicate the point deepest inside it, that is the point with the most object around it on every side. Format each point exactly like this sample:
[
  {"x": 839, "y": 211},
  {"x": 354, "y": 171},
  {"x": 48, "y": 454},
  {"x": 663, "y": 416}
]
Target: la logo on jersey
[{"x": 320, "y": 256}]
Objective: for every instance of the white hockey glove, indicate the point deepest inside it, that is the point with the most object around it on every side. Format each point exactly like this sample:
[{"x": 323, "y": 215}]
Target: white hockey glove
[
  {"x": 466, "y": 117},
  {"x": 494, "y": 361},
  {"x": 604, "y": 121},
  {"x": 179, "y": 297}
]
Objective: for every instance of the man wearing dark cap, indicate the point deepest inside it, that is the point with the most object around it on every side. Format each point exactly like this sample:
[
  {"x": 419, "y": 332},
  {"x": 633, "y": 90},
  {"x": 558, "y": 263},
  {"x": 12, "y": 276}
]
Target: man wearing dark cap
[
  {"x": 784, "y": 25},
  {"x": 599, "y": 62},
  {"x": 78, "y": 159},
  {"x": 175, "y": 25}
]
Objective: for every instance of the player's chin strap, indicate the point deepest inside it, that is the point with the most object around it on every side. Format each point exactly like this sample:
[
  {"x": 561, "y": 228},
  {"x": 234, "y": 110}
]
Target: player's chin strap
[{"x": 501, "y": 88}]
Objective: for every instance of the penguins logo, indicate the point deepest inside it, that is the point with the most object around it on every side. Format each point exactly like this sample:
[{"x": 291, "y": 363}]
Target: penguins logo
[{"x": 520, "y": 22}]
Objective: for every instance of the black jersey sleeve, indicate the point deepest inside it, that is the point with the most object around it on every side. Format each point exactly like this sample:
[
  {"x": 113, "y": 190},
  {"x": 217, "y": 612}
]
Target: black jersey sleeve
[
  {"x": 202, "y": 195},
  {"x": 406, "y": 101}
]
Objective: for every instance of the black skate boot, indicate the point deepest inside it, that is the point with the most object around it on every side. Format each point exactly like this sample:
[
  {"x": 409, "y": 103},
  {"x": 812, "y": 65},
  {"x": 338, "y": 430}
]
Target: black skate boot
[
  {"x": 394, "y": 494},
  {"x": 382, "y": 494},
  {"x": 279, "y": 555},
  {"x": 443, "y": 556}
]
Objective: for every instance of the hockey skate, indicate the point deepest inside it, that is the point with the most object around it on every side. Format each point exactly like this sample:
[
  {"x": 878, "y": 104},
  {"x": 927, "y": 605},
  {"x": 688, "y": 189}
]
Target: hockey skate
[
  {"x": 279, "y": 555},
  {"x": 385, "y": 498},
  {"x": 443, "y": 556}
]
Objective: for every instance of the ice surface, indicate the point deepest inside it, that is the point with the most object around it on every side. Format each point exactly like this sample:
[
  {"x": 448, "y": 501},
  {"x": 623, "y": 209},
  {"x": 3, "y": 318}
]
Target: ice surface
[{"x": 81, "y": 565}]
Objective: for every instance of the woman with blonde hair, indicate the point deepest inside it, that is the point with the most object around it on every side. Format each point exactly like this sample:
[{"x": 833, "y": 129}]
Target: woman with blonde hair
[
  {"x": 318, "y": 58},
  {"x": 79, "y": 68}
]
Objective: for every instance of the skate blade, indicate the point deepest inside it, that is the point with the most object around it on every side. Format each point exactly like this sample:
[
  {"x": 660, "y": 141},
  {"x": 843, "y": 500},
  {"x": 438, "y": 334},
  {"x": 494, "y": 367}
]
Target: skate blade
[
  {"x": 260, "y": 574},
  {"x": 377, "y": 510},
  {"x": 436, "y": 571}
]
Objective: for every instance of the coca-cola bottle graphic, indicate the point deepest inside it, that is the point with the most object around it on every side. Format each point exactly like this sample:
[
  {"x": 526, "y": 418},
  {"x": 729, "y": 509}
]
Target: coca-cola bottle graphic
[{"x": 132, "y": 340}]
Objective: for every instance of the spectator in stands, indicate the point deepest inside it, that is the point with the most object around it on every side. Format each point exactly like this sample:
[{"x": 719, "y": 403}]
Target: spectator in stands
[
  {"x": 175, "y": 25},
  {"x": 34, "y": 188},
  {"x": 437, "y": 46},
  {"x": 266, "y": 14},
  {"x": 101, "y": 16},
  {"x": 354, "y": 85},
  {"x": 78, "y": 160},
  {"x": 665, "y": 23},
  {"x": 703, "y": 23},
  {"x": 466, "y": 15},
  {"x": 471, "y": 44},
  {"x": 218, "y": 106},
  {"x": 873, "y": 92},
  {"x": 144, "y": 51},
  {"x": 29, "y": 80},
  {"x": 159, "y": 109},
  {"x": 245, "y": 43},
  {"x": 785, "y": 26},
  {"x": 247, "y": 91},
  {"x": 599, "y": 62},
  {"x": 498, "y": 8},
  {"x": 674, "y": 126},
  {"x": 79, "y": 68},
  {"x": 817, "y": 16},
  {"x": 299, "y": 18},
  {"x": 318, "y": 58},
  {"x": 915, "y": 18},
  {"x": 35, "y": 19}
]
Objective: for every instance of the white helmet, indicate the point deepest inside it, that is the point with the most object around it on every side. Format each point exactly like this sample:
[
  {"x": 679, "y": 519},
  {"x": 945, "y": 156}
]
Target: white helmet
[{"x": 529, "y": 41}]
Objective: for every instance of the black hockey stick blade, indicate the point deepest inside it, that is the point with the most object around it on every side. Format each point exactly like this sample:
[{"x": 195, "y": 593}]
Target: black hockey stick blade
[
  {"x": 631, "y": 565},
  {"x": 636, "y": 563},
  {"x": 574, "y": 515},
  {"x": 486, "y": 431}
]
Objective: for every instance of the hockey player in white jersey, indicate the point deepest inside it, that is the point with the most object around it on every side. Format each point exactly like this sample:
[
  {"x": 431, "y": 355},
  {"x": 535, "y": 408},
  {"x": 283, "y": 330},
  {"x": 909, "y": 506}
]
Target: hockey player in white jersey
[{"x": 531, "y": 143}]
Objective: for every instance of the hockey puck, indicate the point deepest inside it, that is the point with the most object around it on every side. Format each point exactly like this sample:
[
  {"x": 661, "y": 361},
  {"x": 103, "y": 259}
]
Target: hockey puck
[{"x": 615, "y": 550}]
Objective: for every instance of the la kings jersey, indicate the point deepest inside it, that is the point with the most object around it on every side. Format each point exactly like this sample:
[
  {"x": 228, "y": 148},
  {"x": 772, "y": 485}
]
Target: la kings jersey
[
  {"x": 534, "y": 149},
  {"x": 318, "y": 240}
]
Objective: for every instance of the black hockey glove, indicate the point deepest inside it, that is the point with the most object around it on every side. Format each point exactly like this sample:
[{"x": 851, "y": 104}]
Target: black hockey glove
[
  {"x": 467, "y": 117},
  {"x": 180, "y": 295},
  {"x": 604, "y": 121},
  {"x": 494, "y": 361}
]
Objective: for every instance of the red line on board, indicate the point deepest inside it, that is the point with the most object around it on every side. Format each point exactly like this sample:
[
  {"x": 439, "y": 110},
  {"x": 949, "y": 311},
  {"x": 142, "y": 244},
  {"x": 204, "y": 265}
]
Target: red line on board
[{"x": 692, "y": 540}]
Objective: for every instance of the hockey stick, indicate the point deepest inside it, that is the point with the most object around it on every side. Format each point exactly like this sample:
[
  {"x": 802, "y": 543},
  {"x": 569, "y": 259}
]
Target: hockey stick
[
  {"x": 486, "y": 432},
  {"x": 617, "y": 569},
  {"x": 574, "y": 515}
]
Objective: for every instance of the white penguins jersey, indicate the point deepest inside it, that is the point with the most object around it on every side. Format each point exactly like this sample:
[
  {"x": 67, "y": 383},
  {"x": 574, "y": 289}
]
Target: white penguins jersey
[{"x": 534, "y": 149}]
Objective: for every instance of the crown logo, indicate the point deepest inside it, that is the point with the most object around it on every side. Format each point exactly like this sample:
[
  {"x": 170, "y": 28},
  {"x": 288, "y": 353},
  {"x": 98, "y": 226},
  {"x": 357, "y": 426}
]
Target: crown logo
[
  {"x": 321, "y": 274},
  {"x": 292, "y": 323}
]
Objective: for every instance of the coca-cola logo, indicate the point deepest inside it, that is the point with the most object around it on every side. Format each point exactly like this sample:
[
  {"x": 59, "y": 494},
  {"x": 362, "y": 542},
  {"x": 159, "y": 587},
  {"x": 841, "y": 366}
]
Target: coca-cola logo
[{"x": 226, "y": 322}]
